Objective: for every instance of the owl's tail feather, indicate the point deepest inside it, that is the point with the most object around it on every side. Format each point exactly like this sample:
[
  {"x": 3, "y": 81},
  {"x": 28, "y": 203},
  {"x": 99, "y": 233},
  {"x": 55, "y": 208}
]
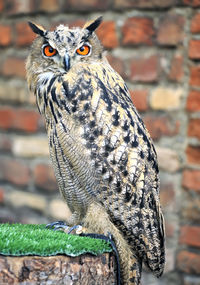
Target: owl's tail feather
[
  {"x": 134, "y": 270},
  {"x": 97, "y": 221}
]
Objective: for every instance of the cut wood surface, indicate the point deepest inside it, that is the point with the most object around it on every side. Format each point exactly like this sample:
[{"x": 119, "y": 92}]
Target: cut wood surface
[{"x": 84, "y": 270}]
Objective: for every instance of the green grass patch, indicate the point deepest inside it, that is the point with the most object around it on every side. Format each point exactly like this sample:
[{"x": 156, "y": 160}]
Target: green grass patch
[{"x": 19, "y": 239}]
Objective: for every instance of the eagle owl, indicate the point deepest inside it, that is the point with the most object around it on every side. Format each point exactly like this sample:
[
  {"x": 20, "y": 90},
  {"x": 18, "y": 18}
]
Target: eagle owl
[{"x": 103, "y": 157}]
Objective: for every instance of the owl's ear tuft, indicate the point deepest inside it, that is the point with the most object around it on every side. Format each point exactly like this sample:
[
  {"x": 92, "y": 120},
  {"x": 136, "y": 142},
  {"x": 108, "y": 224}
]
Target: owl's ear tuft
[
  {"x": 91, "y": 26},
  {"x": 37, "y": 29}
]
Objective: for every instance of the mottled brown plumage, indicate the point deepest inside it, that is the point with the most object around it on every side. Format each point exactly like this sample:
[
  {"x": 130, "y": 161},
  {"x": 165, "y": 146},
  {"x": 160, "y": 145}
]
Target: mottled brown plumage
[{"x": 104, "y": 159}]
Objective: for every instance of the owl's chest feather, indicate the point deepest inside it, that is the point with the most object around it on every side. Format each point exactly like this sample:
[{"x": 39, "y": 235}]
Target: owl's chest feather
[{"x": 92, "y": 109}]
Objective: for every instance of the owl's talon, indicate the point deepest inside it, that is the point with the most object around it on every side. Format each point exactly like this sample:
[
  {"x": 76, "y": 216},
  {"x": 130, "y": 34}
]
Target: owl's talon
[
  {"x": 63, "y": 228},
  {"x": 78, "y": 229},
  {"x": 54, "y": 224},
  {"x": 60, "y": 225}
]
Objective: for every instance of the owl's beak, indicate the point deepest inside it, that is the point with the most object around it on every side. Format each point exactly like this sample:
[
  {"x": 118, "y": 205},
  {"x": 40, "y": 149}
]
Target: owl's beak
[{"x": 66, "y": 62}]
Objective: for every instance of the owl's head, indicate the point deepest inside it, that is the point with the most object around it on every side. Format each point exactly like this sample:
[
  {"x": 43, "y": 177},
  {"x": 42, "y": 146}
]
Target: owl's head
[{"x": 61, "y": 49}]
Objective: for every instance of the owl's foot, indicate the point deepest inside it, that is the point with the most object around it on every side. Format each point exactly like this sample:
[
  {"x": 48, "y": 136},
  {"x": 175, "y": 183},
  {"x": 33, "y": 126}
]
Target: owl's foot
[{"x": 62, "y": 226}]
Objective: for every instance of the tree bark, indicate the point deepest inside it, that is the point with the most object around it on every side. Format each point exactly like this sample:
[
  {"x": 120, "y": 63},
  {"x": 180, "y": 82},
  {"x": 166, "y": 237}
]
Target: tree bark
[{"x": 84, "y": 270}]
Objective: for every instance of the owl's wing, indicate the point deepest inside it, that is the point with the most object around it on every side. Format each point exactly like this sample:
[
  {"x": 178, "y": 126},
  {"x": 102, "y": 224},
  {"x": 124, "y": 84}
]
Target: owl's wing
[
  {"x": 122, "y": 153},
  {"x": 129, "y": 166}
]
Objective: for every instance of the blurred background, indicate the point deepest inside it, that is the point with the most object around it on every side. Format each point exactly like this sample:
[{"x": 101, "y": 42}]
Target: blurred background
[{"x": 155, "y": 46}]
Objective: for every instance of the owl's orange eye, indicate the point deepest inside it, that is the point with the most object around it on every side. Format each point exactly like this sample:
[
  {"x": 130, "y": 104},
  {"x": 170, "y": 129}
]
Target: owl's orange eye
[
  {"x": 84, "y": 50},
  {"x": 49, "y": 51}
]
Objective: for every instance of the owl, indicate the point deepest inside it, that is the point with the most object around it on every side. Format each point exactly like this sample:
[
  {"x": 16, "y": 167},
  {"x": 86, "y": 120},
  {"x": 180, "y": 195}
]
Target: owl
[{"x": 102, "y": 154}]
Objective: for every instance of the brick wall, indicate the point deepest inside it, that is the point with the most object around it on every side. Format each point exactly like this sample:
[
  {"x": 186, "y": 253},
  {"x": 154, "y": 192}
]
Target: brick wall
[{"x": 155, "y": 46}]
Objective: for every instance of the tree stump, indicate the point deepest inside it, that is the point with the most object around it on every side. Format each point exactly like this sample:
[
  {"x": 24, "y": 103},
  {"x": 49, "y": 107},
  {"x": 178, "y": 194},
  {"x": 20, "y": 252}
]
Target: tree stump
[{"x": 84, "y": 270}]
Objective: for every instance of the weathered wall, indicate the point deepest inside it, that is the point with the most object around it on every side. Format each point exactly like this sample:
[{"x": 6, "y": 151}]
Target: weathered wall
[{"x": 155, "y": 46}]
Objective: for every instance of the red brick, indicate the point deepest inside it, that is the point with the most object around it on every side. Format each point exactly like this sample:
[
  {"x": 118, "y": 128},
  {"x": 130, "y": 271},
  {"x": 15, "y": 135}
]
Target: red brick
[
  {"x": 191, "y": 179},
  {"x": 24, "y": 120},
  {"x": 49, "y": 5},
  {"x": 13, "y": 66},
  {"x": 86, "y": 5},
  {"x": 167, "y": 195},
  {"x": 190, "y": 235},
  {"x": 193, "y": 101},
  {"x": 188, "y": 262},
  {"x": 140, "y": 99},
  {"x": 137, "y": 31},
  {"x": 145, "y": 69},
  {"x": 194, "y": 128},
  {"x": 44, "y": 177},
  {"x": 176, "y": 71},
  {"x": 24, "y": 36},
  {"x": 195, "y": 75},
  {"x": 107, "y": 34},
  {"x": 190, "y": 210},
  {"x": 159, "y": 126},
  {"x": 14, "y": 171},
  {"x": 194, "y": 49},
  {"x": 19, "y": 6},
  {"x": 117, "y": 64},
  {"x": 5, "y": 32},
  {"x": 1, "y": 195},
  {"x": 76, "y": 23},
  {"x": 1, "y": 5},
  {"x": 193, "y": 3},
  {"x": 171, "y": 30},
  {"x": 195, "y": 24},
  {"x": 193, "y": 154},
  {"x": 144, "y": 3}
]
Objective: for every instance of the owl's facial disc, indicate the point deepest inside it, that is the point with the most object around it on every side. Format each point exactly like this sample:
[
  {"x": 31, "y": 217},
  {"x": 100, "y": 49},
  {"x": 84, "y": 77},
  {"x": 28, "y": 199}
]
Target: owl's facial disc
[
  {"x": 63, "y": 48},
  {"x": 62, "y": 56}
]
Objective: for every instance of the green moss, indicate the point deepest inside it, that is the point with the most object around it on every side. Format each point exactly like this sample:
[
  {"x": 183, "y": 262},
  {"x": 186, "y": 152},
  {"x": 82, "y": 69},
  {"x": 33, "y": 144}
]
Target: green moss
[{"x": 19, "y": 239}]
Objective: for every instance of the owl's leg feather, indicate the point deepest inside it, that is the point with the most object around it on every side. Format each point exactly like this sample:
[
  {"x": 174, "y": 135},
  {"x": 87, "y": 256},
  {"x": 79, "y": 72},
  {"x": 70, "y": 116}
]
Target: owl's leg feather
[{"x": 97, "y": 220}]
